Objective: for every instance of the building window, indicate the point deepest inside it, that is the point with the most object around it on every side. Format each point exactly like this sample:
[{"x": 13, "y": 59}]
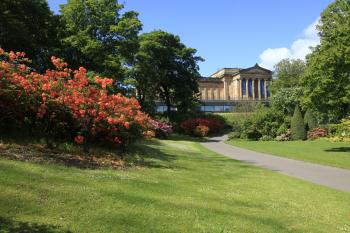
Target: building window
[
  {"x": 215, "y": 108},
  {"x": 250, "y": 88},
  {"x": 262, "y": 88},
  {"x": 161, "y": 108},
  {"x": 244, "y": 91}
]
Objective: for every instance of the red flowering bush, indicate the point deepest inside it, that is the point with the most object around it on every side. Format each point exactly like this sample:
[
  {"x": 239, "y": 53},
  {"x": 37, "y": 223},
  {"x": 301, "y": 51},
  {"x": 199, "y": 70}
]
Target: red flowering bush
[
  {"x": 190, "y": 126},
  {"x": 65, "y": 100},
  {"x": 201, "y": 131},
  {"x": 316, "y": 133}
]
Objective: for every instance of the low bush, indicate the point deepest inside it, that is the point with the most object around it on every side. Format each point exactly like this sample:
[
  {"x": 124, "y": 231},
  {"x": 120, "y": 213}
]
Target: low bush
[
  {"x": 234, "y": 135},
  {"x": 201, "y": 131},
  {"x": 286, "y": 136},
  {"x": 341, "y": 131},
  {"x": 190, "y": 126},
  {"x": 316, "y": 133},
  {"x": 265, "y": 122},
  {"x": 162, "y": 129},
  {"x": 65, "y": 103}
]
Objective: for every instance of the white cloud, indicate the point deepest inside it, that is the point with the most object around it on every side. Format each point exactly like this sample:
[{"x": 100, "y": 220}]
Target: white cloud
[{"x": 298, "y": 50}]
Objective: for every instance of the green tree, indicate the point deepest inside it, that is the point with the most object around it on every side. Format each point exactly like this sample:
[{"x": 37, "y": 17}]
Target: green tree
[
  {"x": 288, "y": 74},
  {"x": 167, "y": 70},
  {"x": 285, "y": 99},
  {"x": 29, "y": 26},
  {"x": 297, "y": 125},
  {"x": 327, "y": 77},
  {"x": 98, "y": 37},
  {"x": 310, "y": 120}
]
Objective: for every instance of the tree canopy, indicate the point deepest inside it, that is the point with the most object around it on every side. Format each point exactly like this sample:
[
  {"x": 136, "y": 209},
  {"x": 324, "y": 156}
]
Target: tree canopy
[
  {"x": 99, "y": 37},
  {"x": 30, "y": 26},
  {"x": 167, "y": 70},
  {"x": 288, "y": 74},
  {"x": 327, "y": 77}
]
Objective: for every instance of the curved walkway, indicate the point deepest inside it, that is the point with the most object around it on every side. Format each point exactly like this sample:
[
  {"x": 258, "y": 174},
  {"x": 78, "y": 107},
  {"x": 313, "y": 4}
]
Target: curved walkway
[{"x": 329, "y": 176}]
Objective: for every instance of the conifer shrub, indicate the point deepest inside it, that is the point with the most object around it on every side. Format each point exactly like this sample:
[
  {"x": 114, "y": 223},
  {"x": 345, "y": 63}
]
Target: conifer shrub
[
  {"x": 310, "y": 120},
  {"x": 297, "y": 125}
]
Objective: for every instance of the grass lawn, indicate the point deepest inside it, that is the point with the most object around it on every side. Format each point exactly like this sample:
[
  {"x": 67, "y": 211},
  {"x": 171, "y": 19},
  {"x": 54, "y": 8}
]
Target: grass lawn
[
  {"x": 182, "y": 188},
  {"x": 336, "y": 154},
  {"x": 234, "y": 117}
]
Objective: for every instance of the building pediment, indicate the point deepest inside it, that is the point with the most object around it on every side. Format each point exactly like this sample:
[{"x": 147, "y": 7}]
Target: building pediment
[{"x": 256, "y": 70}]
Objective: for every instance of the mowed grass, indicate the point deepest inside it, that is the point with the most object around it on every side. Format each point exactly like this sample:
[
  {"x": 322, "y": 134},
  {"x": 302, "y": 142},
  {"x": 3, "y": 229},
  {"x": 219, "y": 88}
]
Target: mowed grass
[
  {"x": 232, "y": 118},
  {"x": 182, "y": 188},
  {"x": 336, "y": 154}
]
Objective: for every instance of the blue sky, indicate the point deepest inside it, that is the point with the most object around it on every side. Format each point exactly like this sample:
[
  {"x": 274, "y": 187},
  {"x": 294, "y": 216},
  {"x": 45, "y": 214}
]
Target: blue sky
[{"x": 233, "y": 33}]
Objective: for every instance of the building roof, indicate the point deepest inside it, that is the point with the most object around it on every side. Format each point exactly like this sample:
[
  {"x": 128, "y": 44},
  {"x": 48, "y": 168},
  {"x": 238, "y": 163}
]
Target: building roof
[
  {"x": 233, "y": 71},
  {"x": 209, "y": 80},
  {"x": 255, "y": 67}
]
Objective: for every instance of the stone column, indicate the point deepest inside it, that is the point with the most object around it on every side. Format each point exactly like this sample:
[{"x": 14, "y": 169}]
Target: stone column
[
  {"x": 246, "y": 89},
  {"x": 239, "y": 88},
  {"x": 253, "y": 88},
  {"x": 259, "y": 91},
  {"x": 265, "y": 85},
  {"x": 225, "y": 89}
]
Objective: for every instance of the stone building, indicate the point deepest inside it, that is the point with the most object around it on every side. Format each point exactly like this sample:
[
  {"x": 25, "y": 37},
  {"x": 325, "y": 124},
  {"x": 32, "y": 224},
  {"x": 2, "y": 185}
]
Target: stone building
[{"x": 229, "y": 86}]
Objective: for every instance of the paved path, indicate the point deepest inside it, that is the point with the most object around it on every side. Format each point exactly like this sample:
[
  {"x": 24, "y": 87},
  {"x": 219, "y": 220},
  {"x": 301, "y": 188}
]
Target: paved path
[{"x": 329, "y": 176}]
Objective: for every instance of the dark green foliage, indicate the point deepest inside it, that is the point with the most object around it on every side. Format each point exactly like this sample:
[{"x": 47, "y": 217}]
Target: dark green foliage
[
  {"x": 264, "y": 122},
  {"x": 98, "y": 37},
  {"x": 167, "y": 70},
  {"x": 29, "y": 26},
  {"x": 326, "y": 81},
  {"x": 310, "y": 120},
  {"x": 297, "y": 125}
]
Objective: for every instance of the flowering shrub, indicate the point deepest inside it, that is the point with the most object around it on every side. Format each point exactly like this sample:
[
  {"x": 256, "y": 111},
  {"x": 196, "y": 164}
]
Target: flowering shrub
[
  {"x": 161, "y": 129},
  {"x": 287, "y": 136},
  {"x": 190, "y": 126},
  {"x": 201, "y": 131},
  {"x": 64, "y": 99},
  {"x": 316, "y": 133},
  {"x": 341, "y": 131}
]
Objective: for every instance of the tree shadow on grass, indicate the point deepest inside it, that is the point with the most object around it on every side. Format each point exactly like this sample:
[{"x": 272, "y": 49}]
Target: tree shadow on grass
[
  {"x": 142, "y": 153},
  {"x": 182, "y": 137},
  {"x": 9, "y": 226},
  {"x": 339, "y": 149},
  {"x": 152, "y": 157}
]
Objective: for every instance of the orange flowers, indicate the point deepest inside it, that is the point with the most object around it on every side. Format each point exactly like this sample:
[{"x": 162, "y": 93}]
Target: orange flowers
[{"x": 95, "y": 111}]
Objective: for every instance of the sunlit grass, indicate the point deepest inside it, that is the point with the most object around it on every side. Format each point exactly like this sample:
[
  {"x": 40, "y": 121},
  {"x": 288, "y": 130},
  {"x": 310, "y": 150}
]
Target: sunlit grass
[
  {"x": 182, "y": 187},
  {"x": 336, "y": 154}
]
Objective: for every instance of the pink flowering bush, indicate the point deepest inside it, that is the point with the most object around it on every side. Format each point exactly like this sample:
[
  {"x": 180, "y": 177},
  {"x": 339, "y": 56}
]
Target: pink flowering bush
[
  {"x": 162, "y": 130},
  {"x": 316, "y": 133}
]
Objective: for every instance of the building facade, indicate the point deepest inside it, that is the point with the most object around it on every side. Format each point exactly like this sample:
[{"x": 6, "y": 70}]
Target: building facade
[{"x": 225, "y": 88}]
